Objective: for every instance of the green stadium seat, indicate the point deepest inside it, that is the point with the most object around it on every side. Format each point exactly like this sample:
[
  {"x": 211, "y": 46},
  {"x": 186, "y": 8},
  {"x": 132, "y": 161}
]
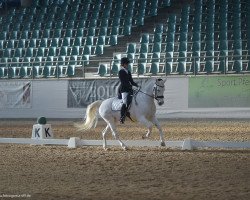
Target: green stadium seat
[
  {"x": 35, "y": 34},
  {"x": 143, "y": 57},
  {"x": 79, "y": 32},
  {"x": 13, "y": 35},
  {"x": 29, "y": 52},
  {"x": 153, "y": 8},
  {"x": 103, "y": 31},
  {"x": 81, "y": 24},
  {"x": 78, "y": 42},
  {"x": 46, "y": 33},
  {"x": 7, "y": 53},
  {"x": 14, "y": 68},
  {"x": 25, "y": 69},
  {"x": 75, "y": 51},
  {"x": 66, "y": 42},
  {"x": 21, "y": 43},
  {"x": 32, "y": 43},
  {"x": 57, "y": 33},
  {"x": 54, "y": 42},
  {"x": 85, "y": 60},
  {"x": 101, "y": 40},
  {"x": 142, "y": 67},
  {"x": 4, "y": 68},
  {"x": 144, "y": 38},
  {"x": 68, "y": 33},
  {"x": 40, "y": 52},
  {"x": 87, "y": 50},
  {"x": 114, "y": 30},
  {"x": 63, "y": 51},
  {"x": 43, "y": 43},
  {"x": 72, "y": 66},
  {"x": 154, "y": 68},
  {"x": 112, "y": 40},
  {"x": 52, "y": 51},
  {"x": 37, "y": 68},
  {"x": 158, "y": 28},
  {"x": 48, "y": 70},
  {"x": 61, "y": 68},
  {"x": 102, "y": 70},
  {"x": 131, "y": 48},
  {"x": 157, "y": 37},
  {"x": 156, "y": 57},
  {"x": 18, "y": 53},
  {"x": 91, "y": 31},
  {"x": 10, "y": 44},
  {"x": 127, "y": 30},
  {"x": 24, "y": 34},
  {"x": 99, "y": 50},
  {"x": 89, "y": 40},
  {"x": 156, "y": 47},
  {"x": 115, "y": 69},
  {"x": 1, "y": 44}
]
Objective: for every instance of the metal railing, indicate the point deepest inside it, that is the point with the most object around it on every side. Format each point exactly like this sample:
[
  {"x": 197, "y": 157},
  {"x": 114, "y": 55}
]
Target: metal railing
[{"x": 108, "y": 67}]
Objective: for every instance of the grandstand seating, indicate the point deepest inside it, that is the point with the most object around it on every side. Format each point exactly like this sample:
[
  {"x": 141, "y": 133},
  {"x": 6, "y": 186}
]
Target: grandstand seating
[{"x": 53, "y": 40}]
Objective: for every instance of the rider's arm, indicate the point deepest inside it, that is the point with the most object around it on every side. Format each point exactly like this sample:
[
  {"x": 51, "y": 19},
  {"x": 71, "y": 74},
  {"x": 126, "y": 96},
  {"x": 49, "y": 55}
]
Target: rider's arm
[{"x": 132, "y": 81}]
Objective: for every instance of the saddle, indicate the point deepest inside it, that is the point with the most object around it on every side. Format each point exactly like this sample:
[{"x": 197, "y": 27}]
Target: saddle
[{"x": 117, "y": 104}]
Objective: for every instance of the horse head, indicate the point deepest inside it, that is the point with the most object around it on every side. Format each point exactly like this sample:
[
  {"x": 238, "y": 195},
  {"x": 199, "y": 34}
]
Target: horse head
[{"x": 159, "y": 88}]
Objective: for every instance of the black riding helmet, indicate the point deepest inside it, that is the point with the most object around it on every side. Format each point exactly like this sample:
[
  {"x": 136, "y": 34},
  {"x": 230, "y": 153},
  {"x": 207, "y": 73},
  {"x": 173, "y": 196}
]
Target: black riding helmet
[{"x": 125, "y": 60}]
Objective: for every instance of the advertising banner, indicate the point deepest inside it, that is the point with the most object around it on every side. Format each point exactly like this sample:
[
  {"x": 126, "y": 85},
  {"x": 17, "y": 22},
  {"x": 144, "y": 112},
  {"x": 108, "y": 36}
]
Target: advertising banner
[
  {"x": 15, "y": 94},
  {"x": 81, "y": 93},
  {"x": 218, "y": 91}
]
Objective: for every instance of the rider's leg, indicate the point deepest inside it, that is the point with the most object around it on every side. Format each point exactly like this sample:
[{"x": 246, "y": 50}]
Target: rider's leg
[{"x": 124, "y": 107}]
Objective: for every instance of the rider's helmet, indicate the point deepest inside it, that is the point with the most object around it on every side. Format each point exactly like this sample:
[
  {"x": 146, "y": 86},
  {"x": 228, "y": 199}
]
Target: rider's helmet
[{"x": 125, "y": 60}]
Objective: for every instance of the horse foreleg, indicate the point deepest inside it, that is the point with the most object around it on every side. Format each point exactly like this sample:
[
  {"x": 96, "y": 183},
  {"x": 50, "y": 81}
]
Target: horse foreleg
[
  {"x": 158, "y": 126},
  {"x": 148, "y": 124},
  {"x": 116, "y": 135},
  {"x": 104, "y": 137}
]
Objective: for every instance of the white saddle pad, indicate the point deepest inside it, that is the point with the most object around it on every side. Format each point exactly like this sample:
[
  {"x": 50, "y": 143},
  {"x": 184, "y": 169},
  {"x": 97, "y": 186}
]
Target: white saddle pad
[{"x": 116, "y": 104}]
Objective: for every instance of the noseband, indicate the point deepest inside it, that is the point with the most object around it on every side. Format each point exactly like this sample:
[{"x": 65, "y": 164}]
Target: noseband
[
  {"x": 155, "y": 96},
  {"x": 155, "y": 92}
]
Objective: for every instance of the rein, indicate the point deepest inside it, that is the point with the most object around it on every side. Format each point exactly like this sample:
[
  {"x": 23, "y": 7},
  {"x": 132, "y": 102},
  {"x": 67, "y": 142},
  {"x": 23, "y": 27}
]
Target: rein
[{"x": 152, "y": 96}]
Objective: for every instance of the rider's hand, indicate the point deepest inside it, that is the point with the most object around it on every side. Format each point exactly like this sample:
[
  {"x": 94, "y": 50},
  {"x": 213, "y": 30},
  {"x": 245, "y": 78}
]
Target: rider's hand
[{"x": 135, "y": 87}]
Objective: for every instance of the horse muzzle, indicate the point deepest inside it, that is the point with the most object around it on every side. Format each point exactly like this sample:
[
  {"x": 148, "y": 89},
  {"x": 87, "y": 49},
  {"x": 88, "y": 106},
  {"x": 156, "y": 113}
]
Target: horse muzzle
[{"x": 160, "y": 102}]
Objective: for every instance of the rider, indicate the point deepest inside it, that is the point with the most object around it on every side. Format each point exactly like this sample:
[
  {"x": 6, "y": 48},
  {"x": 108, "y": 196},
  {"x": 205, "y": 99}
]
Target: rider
[{"x": 125, "y": 87}]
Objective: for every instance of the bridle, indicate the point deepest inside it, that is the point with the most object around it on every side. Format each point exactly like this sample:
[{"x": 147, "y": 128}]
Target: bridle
[{"x": 155, "y": 96}]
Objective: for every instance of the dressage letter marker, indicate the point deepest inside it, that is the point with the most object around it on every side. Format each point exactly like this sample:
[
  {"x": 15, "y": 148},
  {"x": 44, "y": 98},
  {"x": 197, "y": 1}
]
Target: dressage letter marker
[{"x": 42, "y": 131}]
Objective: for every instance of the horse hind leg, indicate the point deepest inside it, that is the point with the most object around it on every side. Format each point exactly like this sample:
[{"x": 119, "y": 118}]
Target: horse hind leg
[
  {"x": 104, "y": 137},
  {"x": 116, "y": 135}
]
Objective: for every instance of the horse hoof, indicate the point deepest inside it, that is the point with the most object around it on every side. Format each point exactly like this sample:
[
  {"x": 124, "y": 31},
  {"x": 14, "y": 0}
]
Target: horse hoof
[
  {"x": 125, "y": 148},
  {"x": 105, "y": 148},
  {"x": 163, "y": 144},
  {"x": 144, "y": 137}
]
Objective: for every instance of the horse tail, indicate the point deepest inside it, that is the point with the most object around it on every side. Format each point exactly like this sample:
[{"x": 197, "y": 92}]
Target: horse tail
[{"x": 91, "y": 118}]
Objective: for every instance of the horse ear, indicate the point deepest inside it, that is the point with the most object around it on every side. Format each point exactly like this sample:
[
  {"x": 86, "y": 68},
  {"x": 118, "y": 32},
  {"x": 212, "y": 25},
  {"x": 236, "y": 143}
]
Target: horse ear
[{"x": 164, "y": 80}]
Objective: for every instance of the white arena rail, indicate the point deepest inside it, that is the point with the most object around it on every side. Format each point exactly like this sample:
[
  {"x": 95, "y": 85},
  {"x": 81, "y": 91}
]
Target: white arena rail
[{"x": 73, "y": 142}]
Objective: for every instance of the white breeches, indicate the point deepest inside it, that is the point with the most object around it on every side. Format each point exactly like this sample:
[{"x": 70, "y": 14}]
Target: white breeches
[{"x": 124, "y": 97}]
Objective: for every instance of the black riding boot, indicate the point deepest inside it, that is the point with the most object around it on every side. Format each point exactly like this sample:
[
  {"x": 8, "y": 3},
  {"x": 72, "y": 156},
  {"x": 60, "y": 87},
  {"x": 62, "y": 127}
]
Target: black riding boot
[{"x": 123, "y": 113}]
